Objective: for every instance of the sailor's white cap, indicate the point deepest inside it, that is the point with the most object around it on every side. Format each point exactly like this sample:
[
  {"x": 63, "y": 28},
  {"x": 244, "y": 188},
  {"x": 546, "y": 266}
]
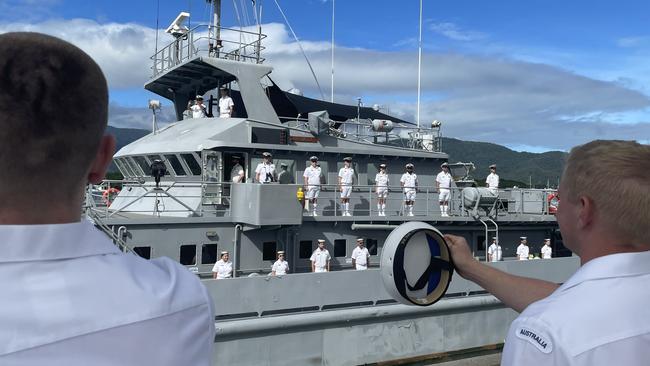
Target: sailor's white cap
[
  {"x": 199, "y": 97},
  {"x": 523, "y": 238},
  {"x": 382, "y": 165},
  {"x": 347, "y": 158},
  {"x": 313, "y": 158},
  {"x": 359, "y": 239},
  {"x": 547, "y": 239},
  {"x": 321, "y": 241},
  {"x": 409, "y": 165},
  {"x": 493, "y": 166},
  {"x": 224, "y": 253},
  {"x": 266, "y": 154},
  {"x": 444, "y": 164},
  {"x": 494, "y": 238},
  {"x": 280, "y": 252}
]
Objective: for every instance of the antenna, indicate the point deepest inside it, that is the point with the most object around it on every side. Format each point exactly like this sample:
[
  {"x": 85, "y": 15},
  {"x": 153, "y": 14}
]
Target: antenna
[
  {"x": 419, "y": 65},
  {"x": 332, "y": 95}
]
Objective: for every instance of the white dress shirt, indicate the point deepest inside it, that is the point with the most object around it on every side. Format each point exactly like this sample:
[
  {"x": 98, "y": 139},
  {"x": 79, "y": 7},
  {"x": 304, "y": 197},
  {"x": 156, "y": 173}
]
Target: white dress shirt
[
  {"x": 313, "y": 175},
  {"x": 70, "y": 297},
  {"x": 495, "y": 252},
  {"x": 599, "y": 316},
  {"x": 266, "y": 172},
  {"x": 360, "y": 256},
  {"x": 320, "y": 259},
  {"x": 546, "y": 252},
  {"x": 444, "y": 180},
  {"x": 280, "y": 267},
  {"x": 522, "y": 252},
  {"x": 409, "y": 180},
  {"x": 225, "y": 103},
  {"x": 222, "y": 269},
  {"x": 346, "y": 175},
  {"x": 381, "y": 180},
  {"x": 492, "y": 181}
]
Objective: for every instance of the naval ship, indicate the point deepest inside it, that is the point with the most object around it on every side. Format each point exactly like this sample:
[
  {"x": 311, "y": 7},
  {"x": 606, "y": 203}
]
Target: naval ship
[{"x": 187, "y": 208}]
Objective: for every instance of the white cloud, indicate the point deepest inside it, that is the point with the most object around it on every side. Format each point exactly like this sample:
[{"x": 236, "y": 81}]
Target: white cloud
[
  {"x": 454, "y": 32},
  {"x": 483, "y": 98}
]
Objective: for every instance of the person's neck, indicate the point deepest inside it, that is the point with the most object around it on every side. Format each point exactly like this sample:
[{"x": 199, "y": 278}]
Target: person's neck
[{"x": 44, "y": 214}]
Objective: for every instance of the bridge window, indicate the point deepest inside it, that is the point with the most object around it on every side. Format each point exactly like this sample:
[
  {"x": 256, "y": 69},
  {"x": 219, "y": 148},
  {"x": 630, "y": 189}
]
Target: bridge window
[
  {"x": 176, "y": 165},
  {"x": 123, "y": 168},
  {"x": 144, "y": 252},
  {"x": 188, "y": 255},
  {"x": 306, "y": 248},
  {"x": 208, "y": 253},
  {"x": 371, "y": 244},
  {"x": 134, "y": 167},
  {"x": 142, "y": 163},
  {"x": 269, "y": 249},
  {"x": 191, "y": 162}
]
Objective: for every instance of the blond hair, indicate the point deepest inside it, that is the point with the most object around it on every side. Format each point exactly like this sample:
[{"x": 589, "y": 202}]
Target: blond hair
[{"x": 615, "y": 175}]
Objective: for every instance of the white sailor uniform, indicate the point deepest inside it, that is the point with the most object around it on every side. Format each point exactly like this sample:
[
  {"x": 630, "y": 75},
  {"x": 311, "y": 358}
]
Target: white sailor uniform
[
  {"x": 266, "y": 172},
  {"x": 598, "y": 317},
  {"x": 522, "y": 252},
  {"x": 492, "y": 182},
  {"x": 410, "y": 182},
  {"x": 280, "y": 267},
  {"x": 346, "y": 175},
  {"x": 320, "y": 259},
  {"x": 546, "y": 252},
  {"x": 444, "y": 186},
  {"x": 382, "y": 185},
  {"x": 222, "y": 269},
  {"x": 236, "y": 173},
  {"x": 360, "y": 256},
  {"x": 495, "y": 252}
]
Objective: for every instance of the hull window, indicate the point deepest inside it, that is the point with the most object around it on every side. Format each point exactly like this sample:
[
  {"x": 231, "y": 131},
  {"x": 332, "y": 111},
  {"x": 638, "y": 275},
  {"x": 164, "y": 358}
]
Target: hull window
[
  {"x": 306, "y": 249},
  {"x": 372, "y": 246},
  {"x": 209, "y": 254},
  {"x": 269, "y": 249},
  {"x": 144, "y": 252},
  {"x": 188, "y": 255},
  {"x": 340, "y": 247}
]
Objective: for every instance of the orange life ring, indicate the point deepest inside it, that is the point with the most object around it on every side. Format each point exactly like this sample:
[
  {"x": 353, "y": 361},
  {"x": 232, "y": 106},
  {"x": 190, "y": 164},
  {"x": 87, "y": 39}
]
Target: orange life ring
[
  {"x": 109, "y": 194},
  {"x": 553, "y": 202}
]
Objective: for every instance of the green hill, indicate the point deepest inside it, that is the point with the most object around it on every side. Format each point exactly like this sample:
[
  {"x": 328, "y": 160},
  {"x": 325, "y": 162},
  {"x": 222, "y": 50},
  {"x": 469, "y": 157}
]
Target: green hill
[
  {"x": 514, "y": 168},
  {"x": 511, "y": 165}
]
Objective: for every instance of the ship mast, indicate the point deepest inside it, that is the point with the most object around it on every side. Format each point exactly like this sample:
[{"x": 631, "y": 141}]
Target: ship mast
[
  {"x": 419, "y": 65},
  {"x": 215, "y": 30}
]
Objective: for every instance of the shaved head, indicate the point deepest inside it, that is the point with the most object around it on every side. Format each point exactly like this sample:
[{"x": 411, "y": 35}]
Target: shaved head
[{"x": 53, "y": 114}]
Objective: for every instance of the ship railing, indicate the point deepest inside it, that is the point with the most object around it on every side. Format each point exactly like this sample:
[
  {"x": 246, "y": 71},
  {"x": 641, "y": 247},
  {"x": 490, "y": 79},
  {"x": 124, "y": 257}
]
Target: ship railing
[
  {"x": 364, "y": 199},
  {"x": 213, "y": 199},
  {"x": 427, "y": 139},
  {"x": 233, "y": 44}
]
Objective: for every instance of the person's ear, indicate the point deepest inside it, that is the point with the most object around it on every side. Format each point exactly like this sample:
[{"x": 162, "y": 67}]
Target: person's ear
[
  {"x": 102, "y": 160},
  {"x": 586, "y": 212}
]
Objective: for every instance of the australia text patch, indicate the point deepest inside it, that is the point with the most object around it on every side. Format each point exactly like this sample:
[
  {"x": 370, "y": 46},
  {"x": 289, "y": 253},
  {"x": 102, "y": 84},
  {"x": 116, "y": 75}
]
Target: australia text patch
[{"x": 537, "y": 338}]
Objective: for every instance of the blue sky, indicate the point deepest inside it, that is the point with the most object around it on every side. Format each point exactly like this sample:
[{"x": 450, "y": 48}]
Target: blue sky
[{"x": 511, "y": 72}]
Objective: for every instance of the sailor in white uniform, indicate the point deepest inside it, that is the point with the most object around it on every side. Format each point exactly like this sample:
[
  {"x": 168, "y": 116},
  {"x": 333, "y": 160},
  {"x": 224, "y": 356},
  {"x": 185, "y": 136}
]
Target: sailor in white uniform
[
  {"x": 494, "y": 251},
  {"x": 346, "y": 176},
  {"x": 522, "y": 250},
  {"x": 312, "y": 177},
  {"x": 547, "y": 251},
  {"x": 226, "y": 105},
  {"x": 381, "y": 184},
  {"x": 223, "y": 268},
  {"x": 409, "y": 183},
  {"x": 265, "y": 171},
  {"x": 281, "y": 266},
  {"x": 198, "y": 109},
  {"x": 237, "y": 171},
  {"x": 320, "y": 258},
  {"x": 492, "y": 180},
  {"x": 443, "y": 184},
  {"x": 599, "y": 315},
  {"x": 360, "y": 256}
]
